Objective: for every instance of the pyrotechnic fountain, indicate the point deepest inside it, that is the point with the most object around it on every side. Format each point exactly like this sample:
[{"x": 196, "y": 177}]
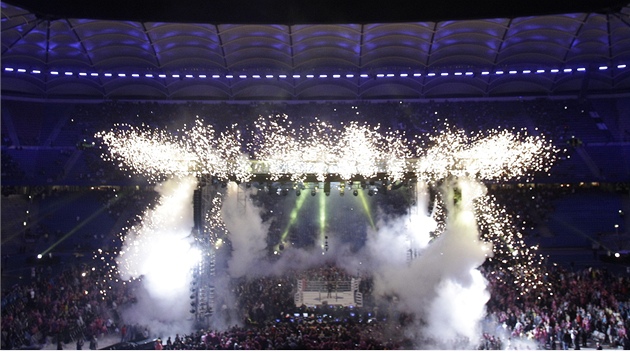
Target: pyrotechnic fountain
[{"x": 467, "y": 224}]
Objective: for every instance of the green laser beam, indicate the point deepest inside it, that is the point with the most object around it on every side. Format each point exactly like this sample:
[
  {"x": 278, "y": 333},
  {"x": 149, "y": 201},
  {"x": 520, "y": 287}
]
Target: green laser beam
[
  {"x": 322, "y": 216},
  {"x": 293, "y": 215},
  {"x": 366, "y": 207}
]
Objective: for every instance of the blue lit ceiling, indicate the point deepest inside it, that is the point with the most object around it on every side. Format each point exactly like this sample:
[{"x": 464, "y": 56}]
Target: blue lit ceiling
[{"x": 574, "y": 53}]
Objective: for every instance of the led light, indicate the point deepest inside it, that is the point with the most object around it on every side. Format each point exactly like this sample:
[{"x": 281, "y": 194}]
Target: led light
[
  {"x": 8, "y": 69},
  {"x": 175, "y": 76},
  {"x": 135, "y": 75},
  {"x": 296, "y": 76},
  {"x": 108, "y": 74},
  {"x": 242, "y": 76},
  {"x": 148, "y": 75},
  {"x": 390, "y": 75},
  {"x": 94, "y": 74},
  {"x": 458, "y": 73},
  {"x": 404, "y": 75},
  {"x": 21, "y": 70},
  {"x": 229, "y": 76},
  {"x": 431, "y": 74},
  {"x": 82, "y": 74},
  {"x": 282, "y": 76},
  {"x": 568, "y": 70},
  {"x": 189, "y": 76},
  {"x": 380, "y": 75},
  {"x": 216, "y": 76},
  {"x": 527, "y": 71},
  {"x": 485, "y": 73},
  {"x": 349, "y": 76},
  {"x": 269, "y": 76},
  {"x": 581, "y": 69},
  {"x": 202, "y": 76},
  {"x": 416, "y": 74},
  {"x": 162, "y": 76},
  {"x": 621, "y": 66},
  {"x": 36, "y": 72},
  {"x": 499, "y": 72},
  {"x": 336, "y": 76},
  {"x": 323, "y": 76},
  {"x": 121, "y": 75},
  {"x": 310, "y": 76},
  {"x": 603, "y": 67},
  {"x": 512, "y": 72},
  {"x": 56, "y": 73},
  {"x": 554, "y": 71},
  {"x": 443, "y": 74},
  {"x": 540, "y": 71},
  {"x": 469, "y": 73},
  {"x": 365, "y": 75}
]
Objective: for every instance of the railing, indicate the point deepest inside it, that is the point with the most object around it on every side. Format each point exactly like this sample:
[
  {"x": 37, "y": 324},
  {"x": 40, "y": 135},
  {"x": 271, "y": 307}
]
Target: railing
[{"x": 322, "y": 286}]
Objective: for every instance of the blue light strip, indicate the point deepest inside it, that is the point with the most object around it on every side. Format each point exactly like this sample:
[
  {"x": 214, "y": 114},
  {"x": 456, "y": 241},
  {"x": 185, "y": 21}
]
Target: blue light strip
[{"x": 256, "y": 76}]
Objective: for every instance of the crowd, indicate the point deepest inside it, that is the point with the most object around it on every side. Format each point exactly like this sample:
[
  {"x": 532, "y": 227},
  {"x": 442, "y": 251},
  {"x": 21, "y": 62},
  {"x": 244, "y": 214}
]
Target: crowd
[
  {"x": 574, "y": 309},
  {"x": 76, "y": 304}
]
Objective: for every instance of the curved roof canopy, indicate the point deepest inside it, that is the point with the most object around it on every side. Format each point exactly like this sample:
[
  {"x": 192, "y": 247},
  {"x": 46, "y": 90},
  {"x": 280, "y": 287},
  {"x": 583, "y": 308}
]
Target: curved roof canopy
[{"x": 47, "y": 56}]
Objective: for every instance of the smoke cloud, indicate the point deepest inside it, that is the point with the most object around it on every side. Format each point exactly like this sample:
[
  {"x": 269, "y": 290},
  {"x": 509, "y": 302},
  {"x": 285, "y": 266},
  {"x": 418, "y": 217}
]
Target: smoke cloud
[
  {"x": 247, "y": 232},
  {"x": 159, "y": 251},
  {"x": 441, "y": 287}
]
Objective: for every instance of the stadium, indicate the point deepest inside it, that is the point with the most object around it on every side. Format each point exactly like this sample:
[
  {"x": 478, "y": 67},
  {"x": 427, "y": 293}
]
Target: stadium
[{"x": 315, "y": 175}]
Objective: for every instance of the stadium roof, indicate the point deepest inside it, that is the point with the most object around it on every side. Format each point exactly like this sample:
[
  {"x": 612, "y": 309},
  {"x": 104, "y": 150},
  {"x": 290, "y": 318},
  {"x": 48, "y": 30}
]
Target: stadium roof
[{"x": 294, "y": 50}]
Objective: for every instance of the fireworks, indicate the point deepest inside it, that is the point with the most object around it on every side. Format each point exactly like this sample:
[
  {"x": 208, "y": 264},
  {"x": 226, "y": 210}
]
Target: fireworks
[
  {"x": 278, "y": 149},
  {"x": 495, "y": 156},
  {"x": 320, "y": 149},
  {"x": 156, "y": 153}
]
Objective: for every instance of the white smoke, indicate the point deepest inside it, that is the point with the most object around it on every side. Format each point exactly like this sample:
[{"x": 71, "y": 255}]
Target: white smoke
[
  {"x": 247, "y": 232},
  {"x": 160, "y": 253},
  {"x": 441, "y": 287}
]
